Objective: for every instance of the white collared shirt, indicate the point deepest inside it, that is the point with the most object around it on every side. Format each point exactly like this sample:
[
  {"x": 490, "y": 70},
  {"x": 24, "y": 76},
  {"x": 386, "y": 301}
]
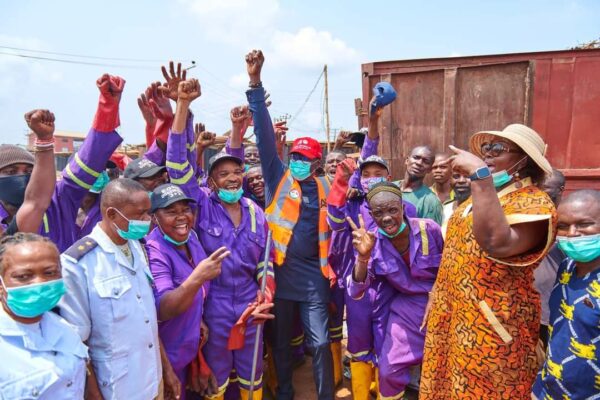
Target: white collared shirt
[
  {"x": 111, "y": 304},
  {"x": 42, "y": 361}
]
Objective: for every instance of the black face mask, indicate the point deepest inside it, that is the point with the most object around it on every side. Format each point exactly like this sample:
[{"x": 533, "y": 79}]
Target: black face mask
[{"x": 12, "y": 189}]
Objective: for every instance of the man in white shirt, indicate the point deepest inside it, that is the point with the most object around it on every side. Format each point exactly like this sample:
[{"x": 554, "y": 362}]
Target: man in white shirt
[{"x": 110, "y": 302}]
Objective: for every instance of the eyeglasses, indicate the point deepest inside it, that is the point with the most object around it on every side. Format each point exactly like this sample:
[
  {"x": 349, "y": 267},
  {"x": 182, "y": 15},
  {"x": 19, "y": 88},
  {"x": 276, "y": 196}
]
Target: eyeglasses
[{"x": 495, "y": 149}]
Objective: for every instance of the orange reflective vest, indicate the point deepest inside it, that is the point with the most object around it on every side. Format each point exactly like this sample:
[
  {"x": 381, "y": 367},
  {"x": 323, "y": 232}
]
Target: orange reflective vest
[{"x": 282, "y": 215}]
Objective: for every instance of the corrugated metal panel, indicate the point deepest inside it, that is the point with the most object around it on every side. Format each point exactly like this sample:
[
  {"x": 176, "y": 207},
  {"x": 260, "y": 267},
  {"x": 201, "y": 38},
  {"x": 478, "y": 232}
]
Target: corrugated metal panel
[{"x": 444, "y": 101}]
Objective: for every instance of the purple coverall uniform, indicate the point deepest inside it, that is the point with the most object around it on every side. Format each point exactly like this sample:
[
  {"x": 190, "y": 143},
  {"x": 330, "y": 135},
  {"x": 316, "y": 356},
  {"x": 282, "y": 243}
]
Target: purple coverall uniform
[
  {"x": 411, "y": 284},
  {"x": 79, "y": 175},
  {"x": 236, "y": 287},
  {"x": 366, "y": 317},
  {"x": 170, "y": 267},
  {"x": 154, "y": 154}
]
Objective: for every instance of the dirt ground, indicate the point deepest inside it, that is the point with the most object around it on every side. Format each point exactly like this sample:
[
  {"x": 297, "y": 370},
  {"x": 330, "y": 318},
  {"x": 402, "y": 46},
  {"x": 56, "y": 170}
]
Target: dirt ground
[{"x": 305, "y": 386}]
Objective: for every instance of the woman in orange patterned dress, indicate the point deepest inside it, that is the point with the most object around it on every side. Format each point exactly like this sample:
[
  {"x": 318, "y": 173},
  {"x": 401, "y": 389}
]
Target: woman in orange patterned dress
[{"x": 482, "y": 328}]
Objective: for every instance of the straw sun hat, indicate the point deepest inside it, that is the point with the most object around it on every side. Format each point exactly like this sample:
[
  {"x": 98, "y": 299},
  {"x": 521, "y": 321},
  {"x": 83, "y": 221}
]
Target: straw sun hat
[{"x": 526, "y": 138}]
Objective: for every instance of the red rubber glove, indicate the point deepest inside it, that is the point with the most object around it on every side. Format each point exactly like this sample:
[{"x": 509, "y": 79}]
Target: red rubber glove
[
  {"x": 339, "y": 188},
  {"x": 237, "y": 334},
  {"x": 161, "y": 108},
  {"x": 149, "y": 135},
  {"x": 269, "y": 290},
  {"x": 107, "y": 114}
]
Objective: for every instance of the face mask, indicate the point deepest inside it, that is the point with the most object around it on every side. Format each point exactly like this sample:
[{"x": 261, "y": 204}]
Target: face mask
[
  {"x": 580, "y": 248},
  {"x": 100, "y": 183},
  {"x": 170, "y": 239},
  {"x": 501, "y": 178},
  {"x": 300, "y": 169},
  {"x": 367, "y": 183},
  {"x": 400, "y": 230},
  {"x": 31, "y": 301},
  {"x": 230, "y": 196},
  {"x": 136, "y": 229},
  {"x": 12, "y": 189}
]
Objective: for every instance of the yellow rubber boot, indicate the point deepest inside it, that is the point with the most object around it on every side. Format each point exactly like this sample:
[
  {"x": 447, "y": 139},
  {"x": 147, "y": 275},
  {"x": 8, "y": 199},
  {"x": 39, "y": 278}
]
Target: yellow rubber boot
[
  {"x": 256, "y": 394},
  {"x": 375, "y": 384},
  {"x": 362, "y": 376},
  {"x": 336, "y": 353}
]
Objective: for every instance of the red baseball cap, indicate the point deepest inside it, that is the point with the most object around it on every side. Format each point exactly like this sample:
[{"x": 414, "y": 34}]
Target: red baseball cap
[{"x": 308, "y": 147}]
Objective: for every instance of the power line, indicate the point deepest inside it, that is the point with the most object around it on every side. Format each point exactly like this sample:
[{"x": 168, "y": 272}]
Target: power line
[
  {"x": 82, "y": 56},
  {"x": 295, "y": 115},
  {"x": 77, "y": 62}
]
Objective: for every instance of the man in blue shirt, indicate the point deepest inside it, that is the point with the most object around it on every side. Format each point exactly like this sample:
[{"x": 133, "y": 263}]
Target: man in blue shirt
[
  {"x": 296, "y": 211},
  {"x": 572, "y": 367}
]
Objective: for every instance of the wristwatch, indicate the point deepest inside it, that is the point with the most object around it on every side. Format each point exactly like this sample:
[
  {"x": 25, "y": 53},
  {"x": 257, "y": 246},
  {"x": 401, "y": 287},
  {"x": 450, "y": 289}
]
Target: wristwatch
[{"x": 481, "y": 173}]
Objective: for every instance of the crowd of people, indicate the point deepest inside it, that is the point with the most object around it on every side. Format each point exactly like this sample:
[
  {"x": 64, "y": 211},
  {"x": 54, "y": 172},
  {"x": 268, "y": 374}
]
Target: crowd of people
[{"x": 154, "y": 279}]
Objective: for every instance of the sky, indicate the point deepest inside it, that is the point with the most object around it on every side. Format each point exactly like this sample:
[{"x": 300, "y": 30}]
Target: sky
[{"x": 134, "y": 38}]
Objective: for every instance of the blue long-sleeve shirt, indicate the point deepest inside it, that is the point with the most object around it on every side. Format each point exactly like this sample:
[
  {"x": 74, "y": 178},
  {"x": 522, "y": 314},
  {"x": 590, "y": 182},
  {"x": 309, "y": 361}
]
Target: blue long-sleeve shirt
[{"x": 300, "y": 277}]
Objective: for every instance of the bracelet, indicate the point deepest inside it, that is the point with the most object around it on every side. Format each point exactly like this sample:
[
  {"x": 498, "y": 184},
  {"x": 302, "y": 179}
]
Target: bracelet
[
  {"x": 255, "y": 85},
  {"x": 42, "y": 142},
  {"x": 42, "y": 149},
  {"x": 362, "y": 260}
]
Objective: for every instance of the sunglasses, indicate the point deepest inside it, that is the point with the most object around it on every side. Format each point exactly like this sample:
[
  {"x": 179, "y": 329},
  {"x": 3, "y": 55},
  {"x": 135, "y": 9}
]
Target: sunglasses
[{"x": 495, "y": 149}]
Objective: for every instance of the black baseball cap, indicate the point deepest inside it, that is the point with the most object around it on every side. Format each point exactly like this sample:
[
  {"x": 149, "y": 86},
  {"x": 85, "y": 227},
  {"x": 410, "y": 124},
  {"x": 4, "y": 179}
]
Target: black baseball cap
[
  {"x": 142, "y": 168},
  {"x": 222, "y": 156},
  {"x": 165, "y": 195},
  {"x": 374, "y": 159}
]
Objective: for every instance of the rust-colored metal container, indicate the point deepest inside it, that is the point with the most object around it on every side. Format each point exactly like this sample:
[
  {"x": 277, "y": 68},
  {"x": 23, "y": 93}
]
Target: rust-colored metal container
[{"x": 444, "y": 101}]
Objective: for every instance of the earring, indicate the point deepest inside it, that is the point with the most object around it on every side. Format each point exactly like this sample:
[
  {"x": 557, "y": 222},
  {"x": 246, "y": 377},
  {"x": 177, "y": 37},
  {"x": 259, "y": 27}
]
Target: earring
[{"x": 518, "y": 183}]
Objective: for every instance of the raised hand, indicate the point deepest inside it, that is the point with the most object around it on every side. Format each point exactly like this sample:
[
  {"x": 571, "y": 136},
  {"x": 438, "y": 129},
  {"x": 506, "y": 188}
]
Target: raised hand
[
  {"x": 173, "y": 79},
  {"x": 188, "y": 90},
  {"x": 280, "y": 129},
  {"x": 378, "y": 110},
  {"x": 210, "y": 267},
  {"x": 205, "y": 139},
  {"x": 240, "y": 119},
  {"x": 254, "y": 62},
  {"x": 159, "y": 102},
  {"x": 362, "y": 239},
  {"x": 345, "y": 169},
  {"x": 41, "y": 122},
  {"x": 463, "y": 161},
  {"x": 198, "y": 129},
  {"x": 111, "y": 87},
  {"x": 144, "y": 105},
  {"x": 342, "y": 138}
]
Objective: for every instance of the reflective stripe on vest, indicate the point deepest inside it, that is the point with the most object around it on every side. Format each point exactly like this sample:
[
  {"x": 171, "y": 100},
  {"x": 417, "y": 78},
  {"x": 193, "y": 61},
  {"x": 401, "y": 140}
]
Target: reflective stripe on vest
[{"x": 282, "y": 215}]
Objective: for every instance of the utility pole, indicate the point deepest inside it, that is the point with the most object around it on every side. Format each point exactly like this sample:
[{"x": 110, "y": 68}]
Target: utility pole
[{"x": 327, "y": 110}]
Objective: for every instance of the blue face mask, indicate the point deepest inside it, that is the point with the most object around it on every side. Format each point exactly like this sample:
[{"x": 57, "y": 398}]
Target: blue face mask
[
  {"x": 31, "y": 301},
  {"x": 170, "y": 239},
  {"x": 501, "y": 178},
  {"x": 400, "y": 230},
  {"x": 230, "y": 196},
  {"x": 136, "y": 229},
  {"x": 367, "y": 183},
  {"x": 100, "y": 183},
  {"x": 300, "y": 169},
  {"x": 580, "y": 248}
]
